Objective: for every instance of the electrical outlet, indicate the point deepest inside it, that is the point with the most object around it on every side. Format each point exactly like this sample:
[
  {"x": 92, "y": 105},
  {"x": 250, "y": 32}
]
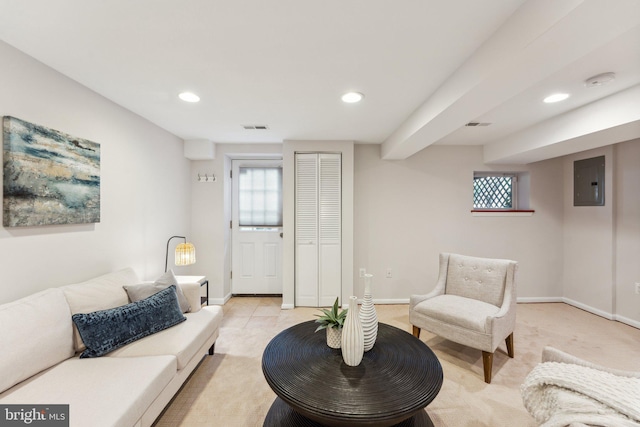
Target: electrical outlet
[
  {"x": 389, "y": 273},
  {"x": 363, "y": 271},
  {"x": 638, "y": 288}
]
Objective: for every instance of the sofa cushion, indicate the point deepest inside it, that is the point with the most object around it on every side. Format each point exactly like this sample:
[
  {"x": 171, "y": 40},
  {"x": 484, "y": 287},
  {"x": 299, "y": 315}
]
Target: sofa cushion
[
  {"x": 145, "y": 290},
  {"x": 182, "y": 341},
  {"x": 99, "y": 293},
  {"x": 448, "y": 309},
  {"x": 36, "y": 333},
  {"x": 106, "y": 330},
  {"x": 102, "y": 392}
]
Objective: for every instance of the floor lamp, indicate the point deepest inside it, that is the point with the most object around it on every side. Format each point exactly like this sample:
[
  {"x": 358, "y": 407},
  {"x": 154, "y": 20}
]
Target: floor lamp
[{"x": 185, "y": 253}]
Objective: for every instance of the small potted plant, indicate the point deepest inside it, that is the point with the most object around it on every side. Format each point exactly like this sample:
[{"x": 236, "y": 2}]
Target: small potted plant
[{"x": 332, "y": 320}]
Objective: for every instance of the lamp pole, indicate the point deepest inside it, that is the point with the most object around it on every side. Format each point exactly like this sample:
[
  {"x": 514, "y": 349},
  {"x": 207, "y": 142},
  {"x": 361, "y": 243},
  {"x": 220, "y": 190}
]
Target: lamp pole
[{"x": 166, "y": 260}]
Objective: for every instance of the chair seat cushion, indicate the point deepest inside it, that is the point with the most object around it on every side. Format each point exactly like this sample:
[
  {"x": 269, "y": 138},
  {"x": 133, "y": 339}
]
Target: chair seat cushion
[{"x": 458, "y": 311}]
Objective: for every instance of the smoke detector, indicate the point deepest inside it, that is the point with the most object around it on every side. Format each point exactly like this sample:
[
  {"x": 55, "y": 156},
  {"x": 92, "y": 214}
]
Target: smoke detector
[{"x": 600, "y": 79}]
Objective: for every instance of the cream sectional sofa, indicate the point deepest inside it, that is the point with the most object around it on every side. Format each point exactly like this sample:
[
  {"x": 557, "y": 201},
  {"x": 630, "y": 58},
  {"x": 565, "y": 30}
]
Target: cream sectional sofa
[{"x": 130, "y": 386}]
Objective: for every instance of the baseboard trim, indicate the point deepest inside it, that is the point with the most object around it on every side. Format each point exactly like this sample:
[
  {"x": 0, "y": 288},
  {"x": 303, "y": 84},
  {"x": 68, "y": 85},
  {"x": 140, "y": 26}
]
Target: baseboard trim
[
  {"x": 523, "y": 300},
  {"x": 601, "y": 313},
  {"x": 526, "y": 300},
  {"x": 626, "y": 321},
  {"x": 588, "y": 308},
  {"x": 220, "y": 301}
]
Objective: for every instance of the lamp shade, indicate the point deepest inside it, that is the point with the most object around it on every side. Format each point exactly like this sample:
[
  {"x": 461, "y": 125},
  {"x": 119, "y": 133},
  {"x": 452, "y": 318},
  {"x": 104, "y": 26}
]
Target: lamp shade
[{"x": 185, "y": 254}]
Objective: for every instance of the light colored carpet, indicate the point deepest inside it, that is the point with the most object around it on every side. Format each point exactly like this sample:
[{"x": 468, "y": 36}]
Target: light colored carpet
[{"x": 229, "y": 390}]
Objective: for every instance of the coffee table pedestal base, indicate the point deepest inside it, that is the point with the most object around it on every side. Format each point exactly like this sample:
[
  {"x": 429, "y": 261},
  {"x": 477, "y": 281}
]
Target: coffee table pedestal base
[{"x": 282, "y": 415}]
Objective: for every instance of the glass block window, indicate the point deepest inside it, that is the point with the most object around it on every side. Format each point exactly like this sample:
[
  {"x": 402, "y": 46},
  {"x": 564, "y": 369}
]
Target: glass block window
[
  {"x": 494, "y": 191},
  {"x": 260, "y": 197}
]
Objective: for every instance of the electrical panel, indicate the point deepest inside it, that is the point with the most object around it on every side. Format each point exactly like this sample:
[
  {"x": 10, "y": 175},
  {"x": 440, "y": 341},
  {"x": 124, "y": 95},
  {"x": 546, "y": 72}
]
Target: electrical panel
[{"x": 588, "y": 182}]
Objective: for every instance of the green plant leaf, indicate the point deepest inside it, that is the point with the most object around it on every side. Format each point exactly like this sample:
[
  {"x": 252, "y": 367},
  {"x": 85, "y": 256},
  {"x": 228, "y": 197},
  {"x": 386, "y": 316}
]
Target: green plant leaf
[{"x": 333, "y": 318}]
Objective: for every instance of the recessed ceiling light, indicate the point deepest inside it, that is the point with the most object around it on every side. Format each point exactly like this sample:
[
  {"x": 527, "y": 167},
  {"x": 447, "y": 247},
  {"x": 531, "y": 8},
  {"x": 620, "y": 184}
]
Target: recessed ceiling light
[
  {"x": 189, "y": 97},
  {"x": 351, "y": 97},
  {"x": 556, "y": 97}
]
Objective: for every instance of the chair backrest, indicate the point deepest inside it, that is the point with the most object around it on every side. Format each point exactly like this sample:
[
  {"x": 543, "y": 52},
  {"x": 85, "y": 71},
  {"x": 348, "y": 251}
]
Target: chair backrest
[{"x": 481, "y": 279}]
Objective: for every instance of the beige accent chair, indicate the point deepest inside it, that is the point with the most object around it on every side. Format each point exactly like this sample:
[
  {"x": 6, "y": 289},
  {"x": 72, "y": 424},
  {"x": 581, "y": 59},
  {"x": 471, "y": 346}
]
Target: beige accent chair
[{"x": 473, "y": 304}]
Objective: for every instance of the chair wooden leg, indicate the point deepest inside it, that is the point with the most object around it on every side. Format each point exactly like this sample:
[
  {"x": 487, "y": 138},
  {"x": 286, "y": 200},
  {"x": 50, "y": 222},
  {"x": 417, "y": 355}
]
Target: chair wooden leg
[
  {"x": 416, "y": 331},
  {"x": 509, "y": 341},
  {"x": 487, "y": 362}
]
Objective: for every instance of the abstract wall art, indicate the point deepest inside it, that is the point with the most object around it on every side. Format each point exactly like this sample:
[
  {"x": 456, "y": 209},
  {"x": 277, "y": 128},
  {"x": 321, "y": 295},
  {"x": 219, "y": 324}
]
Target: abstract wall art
[{"x": 49, "y": 177}]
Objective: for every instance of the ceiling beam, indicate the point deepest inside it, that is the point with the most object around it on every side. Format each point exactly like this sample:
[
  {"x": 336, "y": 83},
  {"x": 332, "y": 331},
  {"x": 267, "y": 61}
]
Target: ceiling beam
[
  {"x": 537, "y": 41},
  {"x": 610, "y": 120}
]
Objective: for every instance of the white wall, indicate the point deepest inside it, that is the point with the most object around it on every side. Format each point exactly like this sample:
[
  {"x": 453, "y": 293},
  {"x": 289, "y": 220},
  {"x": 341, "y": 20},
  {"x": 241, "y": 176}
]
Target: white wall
[
  {"x": 144, "y": 182},
  {"x": 602, "y": 243},
  {"x": 588, "y": 241},
  {"x": 210, "y": 215},
  {"x": 627, "y": 230},
  {"x": 408, "y": 211}
]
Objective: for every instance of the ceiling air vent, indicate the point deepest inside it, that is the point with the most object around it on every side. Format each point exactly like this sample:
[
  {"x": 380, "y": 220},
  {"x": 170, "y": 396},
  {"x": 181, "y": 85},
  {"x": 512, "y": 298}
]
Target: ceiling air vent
[
  {"x": 255, "y": 127},
  {"x": 473, "y": 124}
]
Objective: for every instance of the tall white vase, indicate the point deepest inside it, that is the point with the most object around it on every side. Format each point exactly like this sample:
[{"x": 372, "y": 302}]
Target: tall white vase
[
  {"x": 368, "y": 315},
  {"x": 352, "y": 335}
]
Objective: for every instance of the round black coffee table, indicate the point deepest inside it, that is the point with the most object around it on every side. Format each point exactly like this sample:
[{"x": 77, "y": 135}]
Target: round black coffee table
[{"x": 396, "y": 379}]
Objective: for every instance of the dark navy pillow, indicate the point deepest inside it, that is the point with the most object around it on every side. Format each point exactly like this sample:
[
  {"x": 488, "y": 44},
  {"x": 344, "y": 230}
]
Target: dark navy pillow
[{"x": 106, "y": 330}]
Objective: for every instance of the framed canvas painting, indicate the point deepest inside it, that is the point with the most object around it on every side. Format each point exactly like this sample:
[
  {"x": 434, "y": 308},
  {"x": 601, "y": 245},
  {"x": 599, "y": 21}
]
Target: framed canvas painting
[{"x": 49, "y": 177}]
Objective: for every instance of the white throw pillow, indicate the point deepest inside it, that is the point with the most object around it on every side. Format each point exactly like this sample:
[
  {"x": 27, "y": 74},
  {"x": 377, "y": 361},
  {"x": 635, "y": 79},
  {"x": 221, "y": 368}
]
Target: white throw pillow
[
  {"x": 99, "y": 293},
  {"x": 145, "y": 290}
]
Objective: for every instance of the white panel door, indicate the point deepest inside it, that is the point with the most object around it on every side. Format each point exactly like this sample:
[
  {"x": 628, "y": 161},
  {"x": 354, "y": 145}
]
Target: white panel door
[
  {"x": 306, "y": 229},
  {"x": 318, "y": 266},
  {"x": 330, "y": 228},
  {"x": 256, "y": 256}
]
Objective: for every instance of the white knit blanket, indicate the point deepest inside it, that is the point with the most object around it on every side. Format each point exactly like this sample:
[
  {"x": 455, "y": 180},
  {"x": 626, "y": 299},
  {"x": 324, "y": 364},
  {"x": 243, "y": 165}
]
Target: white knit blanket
[{"x": 561, "y": 394}]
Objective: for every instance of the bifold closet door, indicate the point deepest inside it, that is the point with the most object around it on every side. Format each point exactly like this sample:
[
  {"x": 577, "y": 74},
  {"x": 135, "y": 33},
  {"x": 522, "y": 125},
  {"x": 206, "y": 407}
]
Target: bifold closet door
[{"x": 318, "y": 266}]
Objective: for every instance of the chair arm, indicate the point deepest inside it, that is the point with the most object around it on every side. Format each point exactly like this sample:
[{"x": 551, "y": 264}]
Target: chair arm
[
  {"x": 551, "y": 354},
  {"x": 417, "y": 299},
  {"x": 441, "y": 284},
  {"x": 504, "y": 321},
  {"x": 191, "y": 292}
]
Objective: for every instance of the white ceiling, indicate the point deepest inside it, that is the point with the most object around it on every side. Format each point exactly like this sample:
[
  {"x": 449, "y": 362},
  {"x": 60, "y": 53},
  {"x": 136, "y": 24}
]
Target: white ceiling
[{"x": 426, "y": 67}]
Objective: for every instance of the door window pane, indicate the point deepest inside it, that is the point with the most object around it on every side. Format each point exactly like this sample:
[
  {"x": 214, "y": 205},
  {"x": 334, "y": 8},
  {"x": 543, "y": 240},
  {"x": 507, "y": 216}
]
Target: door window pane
[{"x": 260, "y": 197}]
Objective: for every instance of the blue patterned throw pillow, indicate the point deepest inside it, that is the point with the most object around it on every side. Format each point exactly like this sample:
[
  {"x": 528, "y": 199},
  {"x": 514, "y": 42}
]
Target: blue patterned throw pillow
[{"x": 107, "y": 330}]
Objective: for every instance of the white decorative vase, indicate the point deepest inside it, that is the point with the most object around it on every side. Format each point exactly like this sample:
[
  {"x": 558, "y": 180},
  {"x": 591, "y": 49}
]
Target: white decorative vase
[
  {"x": 334, "y": 337},
  {"x": 368, "y": 315},
  {"x": 352, "y": 335}
]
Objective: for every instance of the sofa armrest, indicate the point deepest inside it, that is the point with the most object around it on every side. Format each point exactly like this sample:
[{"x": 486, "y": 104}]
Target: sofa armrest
[{"x": 191, "y": 292}]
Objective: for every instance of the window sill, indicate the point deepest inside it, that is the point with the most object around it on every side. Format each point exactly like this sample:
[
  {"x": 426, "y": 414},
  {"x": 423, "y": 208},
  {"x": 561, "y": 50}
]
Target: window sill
[{"x": 489, "y": 212}]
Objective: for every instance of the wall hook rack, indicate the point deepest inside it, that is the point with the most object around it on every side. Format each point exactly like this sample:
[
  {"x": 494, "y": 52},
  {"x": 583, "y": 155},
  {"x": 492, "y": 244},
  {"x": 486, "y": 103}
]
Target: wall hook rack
[{"x": 206, "y": 178}]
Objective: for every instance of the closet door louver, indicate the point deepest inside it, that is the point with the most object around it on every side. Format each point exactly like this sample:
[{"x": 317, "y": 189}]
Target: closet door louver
[
  {"x": 318, "y": 229},
  {"x": 330, "y": 230},
  {"x": 306, "y": 264}
]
